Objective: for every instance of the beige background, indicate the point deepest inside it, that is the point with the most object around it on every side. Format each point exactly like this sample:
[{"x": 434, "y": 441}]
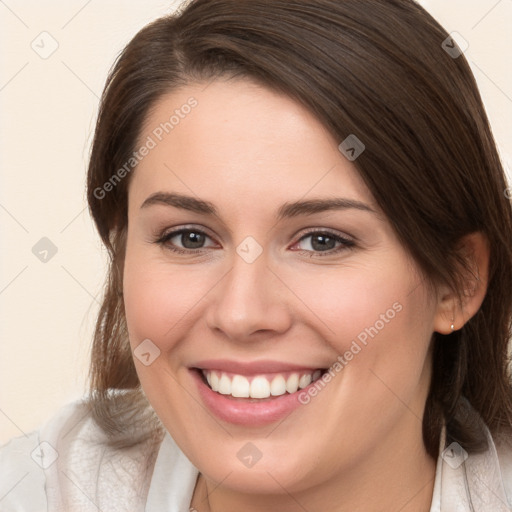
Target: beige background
[{"x": 48, "y": 107}]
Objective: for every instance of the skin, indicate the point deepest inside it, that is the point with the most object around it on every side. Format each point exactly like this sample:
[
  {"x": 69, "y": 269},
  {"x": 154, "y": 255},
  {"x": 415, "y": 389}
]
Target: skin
[{"x": 358, "y": 444}]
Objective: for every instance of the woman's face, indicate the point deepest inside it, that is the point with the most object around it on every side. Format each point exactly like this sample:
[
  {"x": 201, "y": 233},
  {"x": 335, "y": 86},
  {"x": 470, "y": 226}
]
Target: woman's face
[{"x": 256, "y": 258}]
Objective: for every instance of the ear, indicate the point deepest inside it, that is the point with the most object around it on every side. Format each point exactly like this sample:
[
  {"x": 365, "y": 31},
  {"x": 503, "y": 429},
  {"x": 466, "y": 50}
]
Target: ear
[{"x": 456, "y": 308}]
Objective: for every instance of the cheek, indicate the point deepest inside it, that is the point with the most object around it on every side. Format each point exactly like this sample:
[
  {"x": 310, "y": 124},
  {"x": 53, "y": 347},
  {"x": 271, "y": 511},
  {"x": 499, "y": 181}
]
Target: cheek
[
  {"x": 379, "y": 323},
  {"x": 145, "y": 299},
  {"x": 161, "y": 299},
  {"x": 384, "y": 353},
  {"x": 151, "y": 300},
  {"x": 361, "y": 303}
]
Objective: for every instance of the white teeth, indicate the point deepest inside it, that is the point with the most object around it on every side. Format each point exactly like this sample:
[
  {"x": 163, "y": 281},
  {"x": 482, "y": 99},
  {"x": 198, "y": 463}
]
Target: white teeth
[
  {"x": 260, "y": 388},
  {"x": 292, "y": 384},
  {"x": 239, "y": 386},
  {"x": 224, "y": 385},
  {"x": 278, "y": 386},
  {"x": 305, "y": 380},
  {"x": 214, "y": 380}
]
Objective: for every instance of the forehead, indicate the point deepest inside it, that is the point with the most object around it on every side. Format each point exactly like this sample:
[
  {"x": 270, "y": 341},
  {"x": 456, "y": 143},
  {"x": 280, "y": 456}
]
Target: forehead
[{"x": 235, "y": 141}]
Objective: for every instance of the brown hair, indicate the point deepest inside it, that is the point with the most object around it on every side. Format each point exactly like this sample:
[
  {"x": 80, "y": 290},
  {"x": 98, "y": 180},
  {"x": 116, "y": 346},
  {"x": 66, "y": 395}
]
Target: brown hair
[{"x": 373, "y": 68}]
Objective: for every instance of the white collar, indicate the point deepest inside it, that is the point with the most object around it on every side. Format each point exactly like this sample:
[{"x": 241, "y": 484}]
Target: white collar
[
  {"x": 173, "y": 481},
  {"x": 471, "y": 485},
  {"x": 469, "y": 482}
]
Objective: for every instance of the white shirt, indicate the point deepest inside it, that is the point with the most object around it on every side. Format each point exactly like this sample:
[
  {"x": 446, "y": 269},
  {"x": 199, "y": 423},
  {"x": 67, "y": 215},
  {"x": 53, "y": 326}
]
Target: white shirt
[{"x": 68, "y": 466}]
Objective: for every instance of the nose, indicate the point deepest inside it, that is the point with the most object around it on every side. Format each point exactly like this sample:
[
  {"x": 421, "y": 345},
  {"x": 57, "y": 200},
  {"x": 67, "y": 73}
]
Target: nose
[{"x": 250, "y": 301}]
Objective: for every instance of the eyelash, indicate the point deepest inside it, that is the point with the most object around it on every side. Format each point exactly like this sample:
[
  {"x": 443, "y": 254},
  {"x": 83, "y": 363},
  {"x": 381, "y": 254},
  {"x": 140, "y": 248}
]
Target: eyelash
[{"x": 346, "y": 243}]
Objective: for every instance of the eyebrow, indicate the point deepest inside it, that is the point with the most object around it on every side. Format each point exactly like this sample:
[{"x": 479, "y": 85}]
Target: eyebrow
[
  {"x": 180, "y": 201},
  {"x": 313, "y": 206},
  {"x": 287, "y": 210}
]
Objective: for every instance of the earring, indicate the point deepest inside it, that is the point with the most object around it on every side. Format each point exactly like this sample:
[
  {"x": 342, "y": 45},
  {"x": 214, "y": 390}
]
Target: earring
[{"x": 452, "y": 327}]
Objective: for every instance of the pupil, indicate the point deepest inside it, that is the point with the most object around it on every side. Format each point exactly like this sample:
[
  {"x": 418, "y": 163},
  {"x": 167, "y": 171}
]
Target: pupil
[
  {"x": 322, "y": 242},
  {"x": 192, "y": 240}
]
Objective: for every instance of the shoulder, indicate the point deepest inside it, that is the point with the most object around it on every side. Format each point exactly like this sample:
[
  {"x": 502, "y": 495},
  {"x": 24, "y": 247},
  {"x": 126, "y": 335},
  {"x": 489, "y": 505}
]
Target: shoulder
[
  {"x": 70, "y": 464},
  {"x": 21, "y": 479},
  {"x": 488, "y": 474},
  {"x": 503, "y": 445},
  {"x": 23, "y": 461}
]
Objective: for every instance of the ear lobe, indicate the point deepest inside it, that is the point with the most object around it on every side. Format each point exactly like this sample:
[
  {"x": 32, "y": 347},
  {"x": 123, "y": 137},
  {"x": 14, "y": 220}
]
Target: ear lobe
[{"x": 456, "y": 307}]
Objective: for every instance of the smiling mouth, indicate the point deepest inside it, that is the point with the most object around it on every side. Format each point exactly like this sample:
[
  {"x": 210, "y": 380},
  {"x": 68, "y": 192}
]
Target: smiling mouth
[{"x": 257, "y": 388}]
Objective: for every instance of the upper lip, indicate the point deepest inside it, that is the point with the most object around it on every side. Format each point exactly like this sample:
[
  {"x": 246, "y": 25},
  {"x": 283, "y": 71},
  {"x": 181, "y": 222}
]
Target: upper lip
[{"x": 252, "y": 367}]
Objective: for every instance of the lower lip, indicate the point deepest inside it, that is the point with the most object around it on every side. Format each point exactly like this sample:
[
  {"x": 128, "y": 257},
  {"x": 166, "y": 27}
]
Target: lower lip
[{"x": 244, "y": 412}]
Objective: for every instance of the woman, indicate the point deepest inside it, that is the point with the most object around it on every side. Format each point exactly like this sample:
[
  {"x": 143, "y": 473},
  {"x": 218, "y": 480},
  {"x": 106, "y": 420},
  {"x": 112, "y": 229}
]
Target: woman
[{"x": 308, "y": 305}]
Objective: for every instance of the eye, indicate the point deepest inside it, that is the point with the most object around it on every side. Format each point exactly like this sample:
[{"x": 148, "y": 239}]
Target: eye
[
  {"x": 323, "y": 242},
  {"x": 185, "y": 240}
]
